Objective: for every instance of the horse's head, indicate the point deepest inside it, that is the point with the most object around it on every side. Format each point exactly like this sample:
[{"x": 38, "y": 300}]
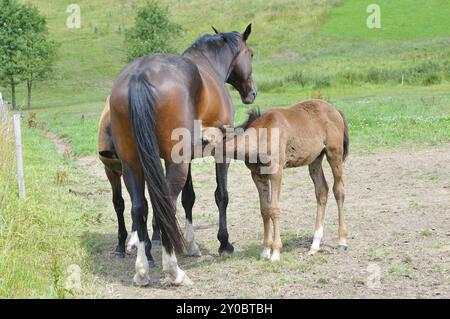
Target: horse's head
[{"x": 240, "y": 75}]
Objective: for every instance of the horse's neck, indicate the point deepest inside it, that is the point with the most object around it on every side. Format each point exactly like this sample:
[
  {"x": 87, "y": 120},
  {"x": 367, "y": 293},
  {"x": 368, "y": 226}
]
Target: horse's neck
[{"x": 206, "y": 61}]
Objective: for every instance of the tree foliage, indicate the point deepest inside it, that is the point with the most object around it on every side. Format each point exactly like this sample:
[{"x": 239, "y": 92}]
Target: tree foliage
[
  {"x": 26, "y": 53},
  {"x": 152, "y": 32}
]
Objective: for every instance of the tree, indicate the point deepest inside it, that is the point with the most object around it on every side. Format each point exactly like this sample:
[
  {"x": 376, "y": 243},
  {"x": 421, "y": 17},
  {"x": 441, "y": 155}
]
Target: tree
[
  {"x": 12, "y": 45},
  {"x": 25, "y": 51},
  {"x": 152, "y": 32},
  {"x": 40, "y": 52}
]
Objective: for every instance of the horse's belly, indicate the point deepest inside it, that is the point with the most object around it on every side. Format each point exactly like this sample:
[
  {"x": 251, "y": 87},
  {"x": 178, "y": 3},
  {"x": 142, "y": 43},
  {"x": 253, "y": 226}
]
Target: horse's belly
[{"x": 301, "y": 154}]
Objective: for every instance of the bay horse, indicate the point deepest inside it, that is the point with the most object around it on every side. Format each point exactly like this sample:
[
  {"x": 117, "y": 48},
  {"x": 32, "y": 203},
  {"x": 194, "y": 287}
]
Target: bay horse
[
  {"x": 305, "y": 133},
  {"x": 113, "y": 169},
  {"x": 155, "y": 95}
]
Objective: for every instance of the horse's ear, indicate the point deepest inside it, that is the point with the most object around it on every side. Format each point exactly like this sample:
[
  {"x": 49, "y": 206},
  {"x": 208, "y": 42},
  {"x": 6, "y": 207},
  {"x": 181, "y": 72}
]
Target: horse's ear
[
  {"x": 247, "y": 32},
  {"x": 215, "y": 30}
]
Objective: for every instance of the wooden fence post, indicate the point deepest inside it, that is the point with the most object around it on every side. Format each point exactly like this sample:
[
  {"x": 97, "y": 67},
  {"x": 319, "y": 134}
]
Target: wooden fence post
[
  {"x": 3, "y": 111},
  {"x": 19, "y": 158}
]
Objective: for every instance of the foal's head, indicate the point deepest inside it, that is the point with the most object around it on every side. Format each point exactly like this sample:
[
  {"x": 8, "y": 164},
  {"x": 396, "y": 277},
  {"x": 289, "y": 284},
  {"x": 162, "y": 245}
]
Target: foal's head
[{"x": 240, "y": 74}]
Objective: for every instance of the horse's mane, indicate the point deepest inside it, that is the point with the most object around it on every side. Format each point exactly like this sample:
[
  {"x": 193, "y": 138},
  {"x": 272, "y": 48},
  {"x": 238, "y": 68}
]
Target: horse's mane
[
  {"x": 215, "y": 43},
  {"x": 253, "y": 115}
]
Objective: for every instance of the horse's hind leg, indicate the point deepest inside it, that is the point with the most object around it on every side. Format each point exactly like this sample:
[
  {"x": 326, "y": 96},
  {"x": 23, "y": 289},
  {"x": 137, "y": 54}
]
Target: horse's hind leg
[
  {"x": 176, "y": 175},
  {"x": 188, "y": 200},
  {"x": 119, "y": 207},
  {"x": 336, "y": 161},
  {"x": 321, "y": 189},
  {"x": 134, "y": 181},
  {"x": 263, "y": 186}
]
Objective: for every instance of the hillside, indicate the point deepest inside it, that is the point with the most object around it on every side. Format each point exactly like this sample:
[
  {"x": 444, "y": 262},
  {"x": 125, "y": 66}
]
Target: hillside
[{"x": 311, "y": 43}]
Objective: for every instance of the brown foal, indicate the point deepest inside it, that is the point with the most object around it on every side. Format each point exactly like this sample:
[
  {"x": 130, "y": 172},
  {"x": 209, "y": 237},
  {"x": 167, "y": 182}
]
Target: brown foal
[{"x": 297, "y": 136}]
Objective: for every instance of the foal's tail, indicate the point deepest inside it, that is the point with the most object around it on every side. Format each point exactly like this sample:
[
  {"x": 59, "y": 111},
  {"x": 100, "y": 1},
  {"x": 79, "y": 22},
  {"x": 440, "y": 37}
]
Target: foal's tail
[
  {"x": 141, "y": 101},
  {"x": 346, "y": 137}
]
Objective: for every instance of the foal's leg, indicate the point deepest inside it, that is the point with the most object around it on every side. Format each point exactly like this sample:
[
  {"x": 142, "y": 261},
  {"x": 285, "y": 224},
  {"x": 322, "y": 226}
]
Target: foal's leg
[
  {"x": 221, "y": 195},
  {"x": 134, "y": 181},
  {"x": 274, "y": 208},
  {"x": 176, "y": 175},
  {"x": 337, "y": 167},
  {"x": 119, "y": 207},
  {"x": 263, "y": 186},
  {"x": 188, "y": 200},
  {"x": 321, "y": 188}
]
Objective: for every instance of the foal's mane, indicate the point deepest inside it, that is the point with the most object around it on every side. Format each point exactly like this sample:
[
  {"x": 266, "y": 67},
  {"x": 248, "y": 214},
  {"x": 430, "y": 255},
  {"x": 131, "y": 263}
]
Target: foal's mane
[
  {"x": 253, "y": 115},
  {"x": 215, "y": 43}
]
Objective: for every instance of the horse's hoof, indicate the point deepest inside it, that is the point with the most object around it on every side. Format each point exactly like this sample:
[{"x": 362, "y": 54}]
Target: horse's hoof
[
  {"x": 226, "y": 251},
  {"x": 141, "y": 281},
  {"x": 312, "y": 252},
  {"x": 275, "y": 257},
  {"x": 182, "y": 280},
  {"x": 343, "y": 248},
  {"x": 265, "y": 255},
  {"x": 131, "y": 249},
  {"x": 119, "y": 254},
  {"x": 151, "y": 263},
  {"x": 194, "y": 250},
  {"x": 156, "y": 243}
]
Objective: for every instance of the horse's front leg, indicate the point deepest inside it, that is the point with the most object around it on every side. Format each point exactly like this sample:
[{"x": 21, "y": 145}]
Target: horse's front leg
[{"x": 221, "y": 195}]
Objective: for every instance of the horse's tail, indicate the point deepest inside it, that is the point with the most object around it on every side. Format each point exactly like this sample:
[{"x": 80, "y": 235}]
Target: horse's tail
[
  {"x": 142, "y": 100},
  {"x": 346, "y": 137}
]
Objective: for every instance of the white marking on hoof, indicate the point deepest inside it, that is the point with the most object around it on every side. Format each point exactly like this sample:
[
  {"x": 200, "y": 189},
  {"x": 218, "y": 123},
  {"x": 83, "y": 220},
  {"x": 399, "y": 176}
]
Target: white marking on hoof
[
  {"x": 189, "y": 235},
  {"x": 133, "y": 242},
  {"x": 312, "y": 252},
  {"x": 275, "y": 256},
  {"x": 265, "y": 254},
  {"x": 181, "y": 279},
  {"x": 193, "y": 250},
  {"x": 318, "y": 235},
  {"x": 170, "y": 265},
  {"x": 142, "y": 277}
]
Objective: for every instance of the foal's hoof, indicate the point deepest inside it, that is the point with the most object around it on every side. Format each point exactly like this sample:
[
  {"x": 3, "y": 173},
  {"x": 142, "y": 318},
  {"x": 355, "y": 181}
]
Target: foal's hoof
[
  {"x": 343, "y": 248},
  {"x": 275, "y": 257},
  {"x": 228, "y": 250},
  {"x": 156, "y": 243},
  {"x": 265, "y": 254},
  {"x": 141, "y": 281}
]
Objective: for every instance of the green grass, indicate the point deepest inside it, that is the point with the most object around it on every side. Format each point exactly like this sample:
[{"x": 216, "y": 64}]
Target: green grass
[
  {"x": 406, "y": 19},
  {"x": 40, "y": 236}
]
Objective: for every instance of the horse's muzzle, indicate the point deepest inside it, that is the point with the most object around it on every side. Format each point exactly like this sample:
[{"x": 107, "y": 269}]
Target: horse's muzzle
[{"x": 250, "y": 98}]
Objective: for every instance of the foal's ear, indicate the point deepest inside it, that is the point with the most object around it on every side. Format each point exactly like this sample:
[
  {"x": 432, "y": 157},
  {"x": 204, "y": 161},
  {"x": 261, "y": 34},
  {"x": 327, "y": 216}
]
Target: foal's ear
[
  {"x": 247, "y": 32},
  {"x": 215, "y": 30}
]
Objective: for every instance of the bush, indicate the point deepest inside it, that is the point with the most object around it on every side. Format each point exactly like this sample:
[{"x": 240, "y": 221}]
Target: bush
[
  {"x": 153, "y": 32},
  {"x": 432, "y": 78},
  {"x": 322, "y": 82}
]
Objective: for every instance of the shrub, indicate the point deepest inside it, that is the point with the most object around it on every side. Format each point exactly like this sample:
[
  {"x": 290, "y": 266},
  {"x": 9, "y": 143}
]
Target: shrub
[{"x": 152, "y": 32}]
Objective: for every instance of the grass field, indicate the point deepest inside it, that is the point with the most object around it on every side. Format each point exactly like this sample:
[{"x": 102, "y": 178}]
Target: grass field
[{"x": 393, "y": 85}]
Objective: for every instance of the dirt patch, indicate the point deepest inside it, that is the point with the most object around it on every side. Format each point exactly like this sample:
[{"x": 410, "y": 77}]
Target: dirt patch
[{"x": 397, "y": 210}]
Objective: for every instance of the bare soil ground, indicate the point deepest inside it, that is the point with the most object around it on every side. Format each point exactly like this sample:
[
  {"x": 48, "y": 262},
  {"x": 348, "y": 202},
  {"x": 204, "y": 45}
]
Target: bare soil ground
[{"x": 398, "y": 214}]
